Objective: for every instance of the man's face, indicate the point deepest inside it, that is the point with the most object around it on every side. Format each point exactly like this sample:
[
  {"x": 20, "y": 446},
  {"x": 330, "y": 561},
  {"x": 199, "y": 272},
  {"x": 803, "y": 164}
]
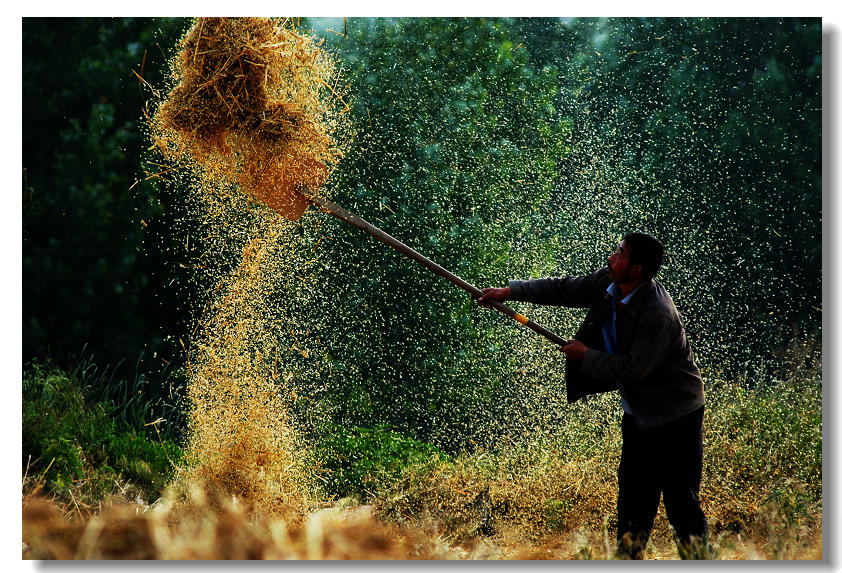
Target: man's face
[{"x": 619, "y": 269}]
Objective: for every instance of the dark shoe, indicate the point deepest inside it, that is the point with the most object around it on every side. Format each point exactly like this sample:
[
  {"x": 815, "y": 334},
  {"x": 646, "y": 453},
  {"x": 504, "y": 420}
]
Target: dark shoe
[
  {"x": 694, "y": 547},
  {"x": 632, "y": 546}
]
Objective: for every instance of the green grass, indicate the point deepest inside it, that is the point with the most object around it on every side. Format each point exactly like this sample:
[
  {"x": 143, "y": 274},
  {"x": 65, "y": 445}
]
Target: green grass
[
  {"x": 79, "y": 451},
  {"x": 132, "y": 397},
  {"x": 358, "y": 462}
]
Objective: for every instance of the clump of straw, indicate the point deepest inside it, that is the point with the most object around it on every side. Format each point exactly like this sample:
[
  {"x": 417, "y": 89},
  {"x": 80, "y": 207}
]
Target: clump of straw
[
  {"x": 218, "y": 529},
  {"x": 254, "y": 103}
]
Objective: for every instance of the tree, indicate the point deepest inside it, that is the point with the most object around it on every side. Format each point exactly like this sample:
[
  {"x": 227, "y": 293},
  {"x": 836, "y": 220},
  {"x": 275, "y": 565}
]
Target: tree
[
  {"x": 85, "y": 279},
  {"x": 706, "y": 133},
  {"x": 457, "y": 144}
]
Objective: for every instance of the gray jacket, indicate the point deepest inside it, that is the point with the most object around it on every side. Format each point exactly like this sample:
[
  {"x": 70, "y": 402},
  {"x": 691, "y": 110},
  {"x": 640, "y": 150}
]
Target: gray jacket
[{"x": 653, "y": 364}]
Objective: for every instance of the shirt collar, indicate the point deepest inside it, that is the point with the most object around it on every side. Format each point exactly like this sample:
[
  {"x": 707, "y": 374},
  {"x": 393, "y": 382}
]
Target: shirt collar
[{"x": 614, "y": 291}]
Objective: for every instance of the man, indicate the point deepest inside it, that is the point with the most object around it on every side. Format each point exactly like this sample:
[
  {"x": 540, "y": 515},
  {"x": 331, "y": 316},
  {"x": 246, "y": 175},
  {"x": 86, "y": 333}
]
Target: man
[{"x": 632, "y": 340}]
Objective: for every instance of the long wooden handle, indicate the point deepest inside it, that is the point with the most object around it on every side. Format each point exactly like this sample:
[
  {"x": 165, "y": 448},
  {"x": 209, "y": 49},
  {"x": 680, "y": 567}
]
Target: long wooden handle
[{"x": 360, "y": 223}]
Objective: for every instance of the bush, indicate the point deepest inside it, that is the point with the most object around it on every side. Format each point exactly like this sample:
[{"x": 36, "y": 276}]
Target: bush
[
  {"x": 359, "y": 462},
  {"x": 74, "y": 446}
]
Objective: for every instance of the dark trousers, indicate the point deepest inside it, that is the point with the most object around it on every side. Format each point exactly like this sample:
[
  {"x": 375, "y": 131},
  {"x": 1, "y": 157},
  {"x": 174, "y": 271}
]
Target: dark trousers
[{"x": 666, "y": 459}]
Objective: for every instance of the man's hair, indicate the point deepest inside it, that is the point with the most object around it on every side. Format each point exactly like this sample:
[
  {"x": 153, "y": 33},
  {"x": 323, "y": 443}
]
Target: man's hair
[{"x": 646, "y": 251}]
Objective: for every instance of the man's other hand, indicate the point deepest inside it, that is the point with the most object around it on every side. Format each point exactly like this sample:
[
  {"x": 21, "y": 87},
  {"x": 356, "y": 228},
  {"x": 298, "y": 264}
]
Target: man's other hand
[{"x": 575, "y": 351}]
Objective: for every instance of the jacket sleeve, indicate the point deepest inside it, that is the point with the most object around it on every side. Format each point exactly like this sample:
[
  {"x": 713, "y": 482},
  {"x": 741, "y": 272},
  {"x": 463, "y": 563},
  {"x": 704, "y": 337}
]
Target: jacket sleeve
[
  {"x": 653, "y": 340},
  {"x": 572, "y": 291}
]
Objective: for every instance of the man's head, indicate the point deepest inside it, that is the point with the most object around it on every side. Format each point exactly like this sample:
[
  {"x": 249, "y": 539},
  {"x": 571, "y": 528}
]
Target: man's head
[
  {"x": 646, "y": 251},
  {"x": 638, "y": 258}
]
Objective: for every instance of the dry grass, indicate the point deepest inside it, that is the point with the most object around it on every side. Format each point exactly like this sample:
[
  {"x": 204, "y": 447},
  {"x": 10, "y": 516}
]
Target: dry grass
[
  {"x": 209, "y": 526},
  {"x": 522, "y": 504},
  {"x": 536, "y": 502}
]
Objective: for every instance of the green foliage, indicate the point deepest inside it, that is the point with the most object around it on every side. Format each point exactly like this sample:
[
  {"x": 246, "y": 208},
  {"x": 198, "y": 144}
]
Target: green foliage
[
  {"x": 518, "y": 148},
  {"x": 73, "y": 444},
  {"x": 359, "y": 462},
  {"x": 705, "y": 132},
  {"x": 455, "y": 148},
  {"x": 133, "y": 399},
  {"x": 85, "y": 275}
]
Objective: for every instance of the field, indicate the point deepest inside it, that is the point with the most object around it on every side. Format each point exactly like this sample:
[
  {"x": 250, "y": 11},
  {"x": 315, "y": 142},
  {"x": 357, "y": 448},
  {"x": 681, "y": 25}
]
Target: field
[
  {"x": 216, "y": 367},
  {"x": 549, "y": 497}
]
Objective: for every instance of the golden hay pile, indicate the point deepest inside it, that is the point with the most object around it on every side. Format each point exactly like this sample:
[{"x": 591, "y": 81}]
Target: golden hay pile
[
  {"x": 254, "y": 103},
  {"x": 209, "y": 527},
  {"x": 219, "y": 530}
]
